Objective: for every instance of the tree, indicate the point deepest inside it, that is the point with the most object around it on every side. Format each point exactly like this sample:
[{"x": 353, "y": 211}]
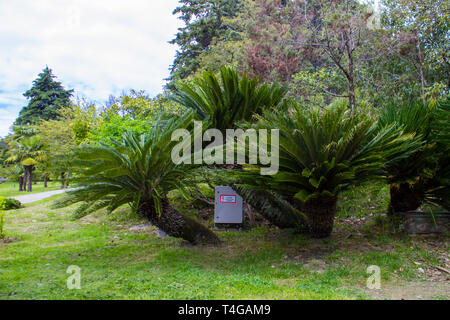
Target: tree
[
  {"x": 138, "y": 171},
  {"x": 203, "y": 21},
  {"x": 317, "y": 46},
  {"x": 58, "y": 139},
  {"x": 277, "y": 35},
  {"x": 132, "y": 111},
  {"x": 415, "y": 32},
  {"x": 45, "y": 97},
  {"x": 27, "y": 151},
  {"x": 322, "y": 153},
  {"x": 340, "y": 32}
]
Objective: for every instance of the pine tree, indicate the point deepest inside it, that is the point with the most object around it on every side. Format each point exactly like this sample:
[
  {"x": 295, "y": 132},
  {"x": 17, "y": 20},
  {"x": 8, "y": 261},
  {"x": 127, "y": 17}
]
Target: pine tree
[
  {"x": 45, "y": 97},
  {"x": 203, "y": 21}
]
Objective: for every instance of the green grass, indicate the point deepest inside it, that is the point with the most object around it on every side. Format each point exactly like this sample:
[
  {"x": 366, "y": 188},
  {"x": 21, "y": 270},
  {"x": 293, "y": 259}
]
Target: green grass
[
  {"x": 11, "y": 188},
  {"x": 358, "y": 201},
  {"x": 117, "y": 263}
]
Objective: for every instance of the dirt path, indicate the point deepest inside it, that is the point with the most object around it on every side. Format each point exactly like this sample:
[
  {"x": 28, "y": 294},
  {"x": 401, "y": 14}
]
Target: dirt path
[
  {"x": 419, "y": 290},
  {"x": 38, "y": 196}
]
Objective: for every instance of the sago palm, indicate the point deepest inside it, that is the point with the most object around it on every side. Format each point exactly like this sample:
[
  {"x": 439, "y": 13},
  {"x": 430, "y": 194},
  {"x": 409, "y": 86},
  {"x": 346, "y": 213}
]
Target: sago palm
[
  {"x": 223, "y": 100},
  {"x": 412, "y": 177},
  {"x": 138, "y": 171},
  {"x": 439, "y": 190},
  {"x": 321, "y": 153}
]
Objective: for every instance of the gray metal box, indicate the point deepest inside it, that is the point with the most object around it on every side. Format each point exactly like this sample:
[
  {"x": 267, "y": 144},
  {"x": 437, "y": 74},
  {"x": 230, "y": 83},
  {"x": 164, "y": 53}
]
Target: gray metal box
[{"x": 228, "y": 206}]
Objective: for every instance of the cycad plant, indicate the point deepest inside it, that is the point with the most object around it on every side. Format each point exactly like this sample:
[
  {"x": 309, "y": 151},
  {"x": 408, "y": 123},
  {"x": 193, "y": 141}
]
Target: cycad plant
[
  {"x": 423, "y": 172},
  {"x": 438, "y": 191},
  {"x": 222, "y": 100},
  {"x": 138, "y": 171},
  {"x": 321, "y": 153}
]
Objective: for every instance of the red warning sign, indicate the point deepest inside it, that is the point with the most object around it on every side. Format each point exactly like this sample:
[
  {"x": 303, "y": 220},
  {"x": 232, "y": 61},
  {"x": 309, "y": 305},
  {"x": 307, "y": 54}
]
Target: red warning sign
[{"x": 227, "y": 198}]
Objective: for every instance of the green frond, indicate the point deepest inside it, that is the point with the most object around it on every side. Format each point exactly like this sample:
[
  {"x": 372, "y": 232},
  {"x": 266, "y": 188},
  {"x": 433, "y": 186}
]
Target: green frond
[
  {"x": 137, "y": 168},
  {"x": 225, "y": 99},
  {"x": 323, "y": 152}
]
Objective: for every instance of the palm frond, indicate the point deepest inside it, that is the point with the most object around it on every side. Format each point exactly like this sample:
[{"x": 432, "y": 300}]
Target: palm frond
[
  {"x": 138, "y": 167},
  {"x": 228, "y": 98}
]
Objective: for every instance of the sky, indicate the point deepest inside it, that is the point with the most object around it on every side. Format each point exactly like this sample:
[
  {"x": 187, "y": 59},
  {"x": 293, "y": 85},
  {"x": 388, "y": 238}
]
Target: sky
[{"x": 97, "y": 47}]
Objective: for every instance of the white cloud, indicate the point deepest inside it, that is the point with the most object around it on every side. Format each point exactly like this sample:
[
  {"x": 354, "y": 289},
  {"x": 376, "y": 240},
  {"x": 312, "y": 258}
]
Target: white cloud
[{"x": 96, "y": 47}]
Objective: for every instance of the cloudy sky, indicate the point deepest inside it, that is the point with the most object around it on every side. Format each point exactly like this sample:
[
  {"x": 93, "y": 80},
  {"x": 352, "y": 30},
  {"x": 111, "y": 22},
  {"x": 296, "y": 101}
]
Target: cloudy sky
[{"x": 97, "y": 47}]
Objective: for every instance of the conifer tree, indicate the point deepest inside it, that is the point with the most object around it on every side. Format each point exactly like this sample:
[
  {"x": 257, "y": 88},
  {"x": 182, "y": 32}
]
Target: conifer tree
[
  {"x": 203, "y": 21},
  {"x": 46, "y": 97}
]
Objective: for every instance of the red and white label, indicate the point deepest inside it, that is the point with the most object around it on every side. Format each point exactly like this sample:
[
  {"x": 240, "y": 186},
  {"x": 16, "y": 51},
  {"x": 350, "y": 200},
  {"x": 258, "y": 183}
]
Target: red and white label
[{"x": 227, "y": 198}]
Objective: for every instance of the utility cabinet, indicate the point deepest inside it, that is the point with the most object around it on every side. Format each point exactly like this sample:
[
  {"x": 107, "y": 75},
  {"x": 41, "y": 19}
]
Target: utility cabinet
[{"x": 228, "y": 206}]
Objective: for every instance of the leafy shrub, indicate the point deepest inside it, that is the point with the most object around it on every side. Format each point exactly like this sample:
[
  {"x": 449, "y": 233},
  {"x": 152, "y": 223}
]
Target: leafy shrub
[{"x": 9, "y": 204}]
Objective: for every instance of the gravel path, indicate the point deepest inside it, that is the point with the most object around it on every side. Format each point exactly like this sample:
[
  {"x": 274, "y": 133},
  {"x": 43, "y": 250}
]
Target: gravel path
[{"x": 38, "y": 196}]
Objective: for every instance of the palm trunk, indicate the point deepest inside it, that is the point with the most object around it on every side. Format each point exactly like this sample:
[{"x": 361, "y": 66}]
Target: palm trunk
[
  {"x": 176, "y": 224},
  {"x": 404, "y": 198},
  {"x": 274, "y": 209},
  {"x": 25, "y": 179},
  {"x": 21, "y": 181},
  {"x": 29, "y": 177},
  {"x": 320, "y": 213},
  {"x": 63, "y": 175}
]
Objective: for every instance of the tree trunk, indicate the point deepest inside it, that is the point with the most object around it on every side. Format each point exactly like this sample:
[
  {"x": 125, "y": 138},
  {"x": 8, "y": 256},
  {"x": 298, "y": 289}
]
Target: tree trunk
[
  {"x": 274, "y": 209},
  {"x": 25, "y": 179},
  {"x": 63, "y": 175},
  {"x": 404, "y": 198},
  {"x": 45, "y": 180},
  {"x": 350, "y": 74},
  {"x": 351, "y": 84},
  {"x": 29, "y": 177},
  {"x": 320, "y": 213},
  {"x": 176, "y": 224},
  {"x": 421, "y": 73},
  {"x": 66, "y": 185},
  {"x": 21, "y": 182}
]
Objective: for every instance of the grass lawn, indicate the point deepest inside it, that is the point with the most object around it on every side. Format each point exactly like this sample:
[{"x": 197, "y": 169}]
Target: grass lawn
[
  {"x": 11, "y": 188},
  {"x": 121, "y": 258}
]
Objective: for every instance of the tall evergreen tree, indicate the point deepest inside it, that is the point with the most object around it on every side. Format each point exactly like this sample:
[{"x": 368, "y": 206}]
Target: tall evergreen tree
[
  {"x": 203, "y": 21},
  {"x": 45, "y": 97}
]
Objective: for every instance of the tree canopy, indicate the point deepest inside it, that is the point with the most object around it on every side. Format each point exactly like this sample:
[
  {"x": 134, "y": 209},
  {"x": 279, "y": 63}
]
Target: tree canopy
[
  {"x": 46, "y": 97},
  {"x": 204, "y": 20}
]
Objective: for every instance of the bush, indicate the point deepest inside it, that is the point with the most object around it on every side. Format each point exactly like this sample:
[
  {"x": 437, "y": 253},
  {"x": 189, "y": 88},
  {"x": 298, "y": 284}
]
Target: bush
[{"x": 9, "y": 204}]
